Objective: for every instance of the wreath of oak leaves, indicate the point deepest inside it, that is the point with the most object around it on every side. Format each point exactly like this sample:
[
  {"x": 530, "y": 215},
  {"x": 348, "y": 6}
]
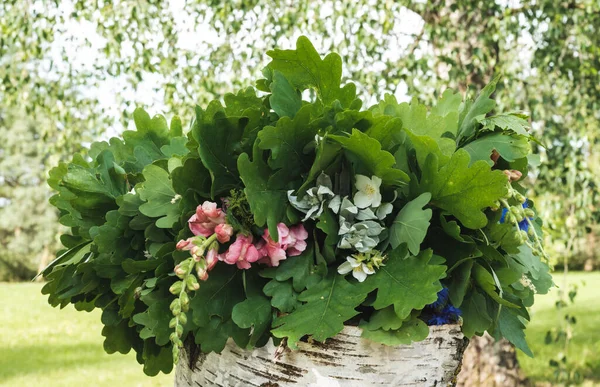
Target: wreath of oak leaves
[{"x": 127, "y": 203}]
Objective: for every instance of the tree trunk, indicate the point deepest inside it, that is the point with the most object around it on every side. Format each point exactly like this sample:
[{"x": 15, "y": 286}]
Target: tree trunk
[
  {"x": 345, "y": 360},
  {"x": 491, "y": 364}
]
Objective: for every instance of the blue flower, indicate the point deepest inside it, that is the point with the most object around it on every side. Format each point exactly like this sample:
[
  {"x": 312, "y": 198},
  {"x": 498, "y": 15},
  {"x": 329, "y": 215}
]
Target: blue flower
[
  {"x": 523, "y": 225},
  {"x": 441, "y": 301},
  {"x": 504, "y": 212},
  {"x": 448, "y": 315}
]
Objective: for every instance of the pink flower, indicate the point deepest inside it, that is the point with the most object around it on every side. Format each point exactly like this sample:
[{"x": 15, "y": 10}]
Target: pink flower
[
  {"x": 206, "y": 218},
  {"x": 299, "y": 234},
  {"x": 212, "y": 257},
  {"x": 185, "y": 244},
  {"x": 241, "y": 252},
  {"x": 275, "y": 250},
  {"x": 202, "y": 273},
  {"x": 224, "y": 232}
]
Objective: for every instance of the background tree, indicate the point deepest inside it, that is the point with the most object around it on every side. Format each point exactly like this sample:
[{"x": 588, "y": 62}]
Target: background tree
[{"x": 57, "y": 59}]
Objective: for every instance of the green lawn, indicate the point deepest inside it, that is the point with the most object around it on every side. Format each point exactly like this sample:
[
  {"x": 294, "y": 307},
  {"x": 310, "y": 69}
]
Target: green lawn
[
  {"x": 41, "y": 345},
  {"x": 584, "y": 352},
  {"x": 45, "y": 346}
]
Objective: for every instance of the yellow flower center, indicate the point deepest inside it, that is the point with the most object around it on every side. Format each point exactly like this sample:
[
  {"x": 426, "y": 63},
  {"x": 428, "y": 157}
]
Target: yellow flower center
[{"x": 370, "y": 190}]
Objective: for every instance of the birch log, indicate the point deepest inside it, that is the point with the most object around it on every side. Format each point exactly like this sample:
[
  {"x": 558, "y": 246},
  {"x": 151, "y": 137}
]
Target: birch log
[{"x": 347, "y": 360}]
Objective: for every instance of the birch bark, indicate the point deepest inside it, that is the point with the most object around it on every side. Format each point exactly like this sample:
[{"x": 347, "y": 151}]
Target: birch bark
[{"x": 347, "y": 360}]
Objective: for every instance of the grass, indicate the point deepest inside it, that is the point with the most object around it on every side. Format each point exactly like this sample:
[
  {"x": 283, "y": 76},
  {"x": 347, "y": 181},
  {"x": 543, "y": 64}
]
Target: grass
[
  {"x": 41, "y": 345},
  {"x": 583, "y": 355},
  {"x": 45, "y": 346}
]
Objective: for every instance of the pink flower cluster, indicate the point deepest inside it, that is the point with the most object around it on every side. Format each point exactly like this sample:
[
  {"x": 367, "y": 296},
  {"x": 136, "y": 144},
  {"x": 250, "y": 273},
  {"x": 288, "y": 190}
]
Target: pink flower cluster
[
  {"x": 210, "y": 220},
  {"x": 243, "y": 252}
]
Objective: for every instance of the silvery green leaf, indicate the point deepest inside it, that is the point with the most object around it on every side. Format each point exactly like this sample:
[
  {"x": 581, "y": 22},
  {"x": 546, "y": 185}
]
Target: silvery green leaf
[
  {"x": 366, "y": 214},
  {"x": 384, "y": 210},
  {"x": 335, "y": 204},
  {"x": 324, "y": 181}
]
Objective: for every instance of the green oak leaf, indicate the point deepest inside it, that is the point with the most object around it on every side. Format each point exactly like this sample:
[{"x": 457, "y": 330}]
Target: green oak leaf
[
  {"x": 283, "y": 296},
  {"x": 284, "y": 100},
  {"x": 385, "y": 319},
  {"x": 118, "y": 338},
  {"x": 460, "y": 280},
  {"x": 476, "y": 318},
  {"x": 411, "y": 330},
  {"x": 213, "y": 336},
  {"x": 512, "y": 328},
  {"x": 449, "y": 103},
  {"x": 411, "y": 224},
  {"x": 304, "y": 68},
  {"x": 486, "y": 281},
  {"x": 515, "y": 122},
  {"x": 267, "y": 197},
  {"x": 406, "y": 283},
  {"x": 287, "y": 141},
  {"x": 177, "y": 147},
  {"x": 463, "y": 190},
  {"x": 301, "y": 269},
  {"x": 236, "y": 105},
  {"x": 156, "y": 358},
  {"x": 326, "y": 160},
  {"x": 539, "y": 271},
  {"x": 370, "y": 159},
  {"x": 509, "y": 147},
  {"x": 255, "y": 313},
  {"x": 219, "y": 140},
  {"x": 157, "y": 191},
  {"x": 326, "y": 306},
  {"x": 218, "y": 295},
  {"x": 191, "y": 176},
  {"x": 473, "y": 111},
  {"x": 155, "y": 321}
]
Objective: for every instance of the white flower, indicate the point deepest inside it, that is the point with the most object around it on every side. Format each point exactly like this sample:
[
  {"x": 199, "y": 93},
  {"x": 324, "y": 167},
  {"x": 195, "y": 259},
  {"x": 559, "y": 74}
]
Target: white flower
[
  {"x": 359, "y": 270},
  {"x": 175, "y": 198},
  {"x": 368, "y": 194}
]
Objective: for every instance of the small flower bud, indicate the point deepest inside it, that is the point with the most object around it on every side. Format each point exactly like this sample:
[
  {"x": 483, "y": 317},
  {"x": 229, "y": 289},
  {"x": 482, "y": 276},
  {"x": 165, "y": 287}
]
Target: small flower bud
[
  {"x": 184, "y": 299},
  {"x": 176, "y": 307},
  {"x": 179, "y": 271},
  {"x": 179, "y": 330},
  {"x": 173, "y": 323},
  {"x": 192, "y": 283},
  {"x": 176, "y": 287},
  {"x": 183, "y": 318},
  {"x": 524, "y": 236},
  {"x": 529, "y": 212}
]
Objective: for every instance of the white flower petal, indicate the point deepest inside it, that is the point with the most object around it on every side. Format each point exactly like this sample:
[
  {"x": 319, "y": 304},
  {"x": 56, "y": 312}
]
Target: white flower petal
[
  {"x": 345, "y": 268},
  {"x": 359, "y": 274},
  {"x": 362, "y": 182},
  {"x": 362, "y": 200},
  {"x": 353, "y": 262},
  {"x": 376, "y": 199},
  {"x": 366, "y": 269},
  {"x": 376, "y": 181}
]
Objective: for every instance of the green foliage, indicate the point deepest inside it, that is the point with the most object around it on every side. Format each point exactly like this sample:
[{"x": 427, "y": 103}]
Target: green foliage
[
  {"x": 411, "y": 329},
  {"x": 463, "y": 190},
  {"x": 422, "y": 216},
  {"x": 407, "y": 283},
  {"x": 304, "y": 68},
  {"x": 411, "y": 224},
  {"x": 326, "y": 306}
]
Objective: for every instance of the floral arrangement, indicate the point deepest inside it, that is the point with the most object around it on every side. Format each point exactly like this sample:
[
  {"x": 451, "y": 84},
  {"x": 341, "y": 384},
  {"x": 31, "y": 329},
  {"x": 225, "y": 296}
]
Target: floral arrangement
[{"x": 294, "y": 211}]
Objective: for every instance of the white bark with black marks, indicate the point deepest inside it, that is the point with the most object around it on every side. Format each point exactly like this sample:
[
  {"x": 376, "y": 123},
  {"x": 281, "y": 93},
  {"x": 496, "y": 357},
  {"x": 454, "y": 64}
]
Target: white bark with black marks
[{"x": 346, "y": 360}]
